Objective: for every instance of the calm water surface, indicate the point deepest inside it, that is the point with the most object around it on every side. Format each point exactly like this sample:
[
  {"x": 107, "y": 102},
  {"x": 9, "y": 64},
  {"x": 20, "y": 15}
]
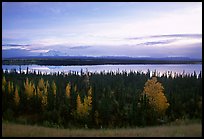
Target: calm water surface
[{"x": 161, "y": 68}]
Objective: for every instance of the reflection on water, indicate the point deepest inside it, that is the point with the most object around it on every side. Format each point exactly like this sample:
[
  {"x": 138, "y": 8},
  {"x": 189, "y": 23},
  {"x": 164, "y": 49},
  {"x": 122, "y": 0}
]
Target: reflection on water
[{"x": 159, "y": 68}]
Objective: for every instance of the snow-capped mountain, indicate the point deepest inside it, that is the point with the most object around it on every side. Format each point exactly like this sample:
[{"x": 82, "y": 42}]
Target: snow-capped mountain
[{"x": 53, "y": 53}]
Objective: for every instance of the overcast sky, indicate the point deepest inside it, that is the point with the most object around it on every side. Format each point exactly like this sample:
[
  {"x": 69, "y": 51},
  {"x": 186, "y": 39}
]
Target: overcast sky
[{"x": 137, "y": 29}]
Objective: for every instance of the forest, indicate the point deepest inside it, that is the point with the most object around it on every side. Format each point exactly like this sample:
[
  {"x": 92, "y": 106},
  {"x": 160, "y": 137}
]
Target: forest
[
  {"x": 83, "y": 60},
  {"x": 100, "y": 100}
]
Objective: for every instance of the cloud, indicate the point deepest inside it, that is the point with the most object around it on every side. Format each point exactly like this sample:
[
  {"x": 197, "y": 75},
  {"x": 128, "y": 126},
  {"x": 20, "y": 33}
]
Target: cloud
[
  {"x": 104, "y": 30},
  {"x": 188, "y": 45},
  {"x": 167, "y": 36},
  {"x": 158, "y": 42},
  {"x": 169, "y": 40},
  {"x": 39, "y": 50},
  {"x": 111, "y": 32},
  {"x": 128, "y": 34},
  {"x": 79, "y": 47},
  {"x": 180, "y": 35},
  {"x": 15, "y": 45},
  {"x": 16, "y": 53}
]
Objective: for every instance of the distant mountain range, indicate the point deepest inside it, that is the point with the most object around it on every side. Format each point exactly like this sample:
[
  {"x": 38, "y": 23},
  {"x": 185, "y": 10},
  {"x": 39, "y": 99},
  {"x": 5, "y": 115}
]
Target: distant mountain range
[
  {"x": 54, "y": 56},
  {"x": 25, "y": 54},
  {"x": 53, "y": 53}
]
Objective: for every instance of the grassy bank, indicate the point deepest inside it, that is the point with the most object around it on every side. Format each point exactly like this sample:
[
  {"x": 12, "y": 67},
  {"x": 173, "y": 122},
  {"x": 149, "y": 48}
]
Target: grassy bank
[{"x": 17, "y": 130}]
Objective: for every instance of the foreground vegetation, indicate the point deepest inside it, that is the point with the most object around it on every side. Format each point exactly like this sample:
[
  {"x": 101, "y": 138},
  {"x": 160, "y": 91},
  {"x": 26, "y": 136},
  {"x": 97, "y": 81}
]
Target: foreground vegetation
[
  {"x": 175, "y": 130},
  {"x": 100, "y": 100}
]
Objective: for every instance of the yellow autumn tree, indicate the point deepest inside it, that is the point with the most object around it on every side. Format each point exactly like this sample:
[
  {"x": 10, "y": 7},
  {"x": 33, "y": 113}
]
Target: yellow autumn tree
[
  {"x": 16, "y": 97},
  {"x": 41, "y": 84},
  {"x": 40, "y": 88},
  {"x": 10, "y": 87},
  {"x": 68, "y": 90},
  {"x": 83, "y": 109},
  {"x": 89, "y": 98},
  {"x": 44, "y": 101},
  {"x": 155, "y": 94},
  {"x": 79, "y": 106},
  {"x": 40, "y": 94},
  {"x": 54, "y": 88},
  {"x": 46, "y": 88},
  {"x": 29, "y": 88},
  {"x": 85, "y": 106},
  {"x": 3, "y": 84},
  {"x": 42, "y": 91}
]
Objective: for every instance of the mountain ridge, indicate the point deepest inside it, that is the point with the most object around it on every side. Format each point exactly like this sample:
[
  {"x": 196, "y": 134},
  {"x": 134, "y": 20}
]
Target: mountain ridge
[{"x": 102, "y": 57}]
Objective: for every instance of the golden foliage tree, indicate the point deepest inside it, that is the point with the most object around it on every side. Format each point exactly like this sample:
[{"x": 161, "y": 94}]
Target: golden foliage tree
[
  {"x": 10, "y": 87},
  {"x": 54, "y": 88},
  {"x": 86, "y": 106},
  {"x": 39, "y": 92},
  {"x": 3, "y": 84},
  {"x": 83, "y": 109},
  {"x": 46, "y": 88},
  {"x": 68, "y": 90},
  {"x": 29, "y": 88},
  {"x": 41, "y": 84},
  {"x": 79, "y": 106},
  {"x": 155, "y": 94},
  {"x": 89, "y": 98},
  {"x": 16, "y": 97},
  {"x": 44, "y": 101},
  {"x": 42, "y": 90}
]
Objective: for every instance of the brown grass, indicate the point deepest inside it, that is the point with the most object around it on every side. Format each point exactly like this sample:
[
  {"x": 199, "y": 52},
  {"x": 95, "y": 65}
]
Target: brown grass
[{"x": 17, "y": 130}]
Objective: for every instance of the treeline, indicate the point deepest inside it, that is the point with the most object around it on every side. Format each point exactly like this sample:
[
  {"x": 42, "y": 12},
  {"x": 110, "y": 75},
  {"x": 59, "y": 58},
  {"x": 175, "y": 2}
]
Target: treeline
[
  {"x": 94, "y": 61},
  {"x": 96, "y": 100}
]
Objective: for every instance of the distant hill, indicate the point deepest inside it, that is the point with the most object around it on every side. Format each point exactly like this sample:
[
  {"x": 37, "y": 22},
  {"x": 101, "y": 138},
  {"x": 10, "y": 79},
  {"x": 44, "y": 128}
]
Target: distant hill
[{"x": 87, "y": 60}]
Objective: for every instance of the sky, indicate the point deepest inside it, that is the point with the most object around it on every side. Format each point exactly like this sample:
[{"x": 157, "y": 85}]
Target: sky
[{"x": 135, "y": 29}]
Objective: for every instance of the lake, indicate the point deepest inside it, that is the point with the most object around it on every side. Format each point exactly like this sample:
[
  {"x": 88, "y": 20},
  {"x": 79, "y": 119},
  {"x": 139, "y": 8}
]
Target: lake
[{"x": 160, "y": 68}]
